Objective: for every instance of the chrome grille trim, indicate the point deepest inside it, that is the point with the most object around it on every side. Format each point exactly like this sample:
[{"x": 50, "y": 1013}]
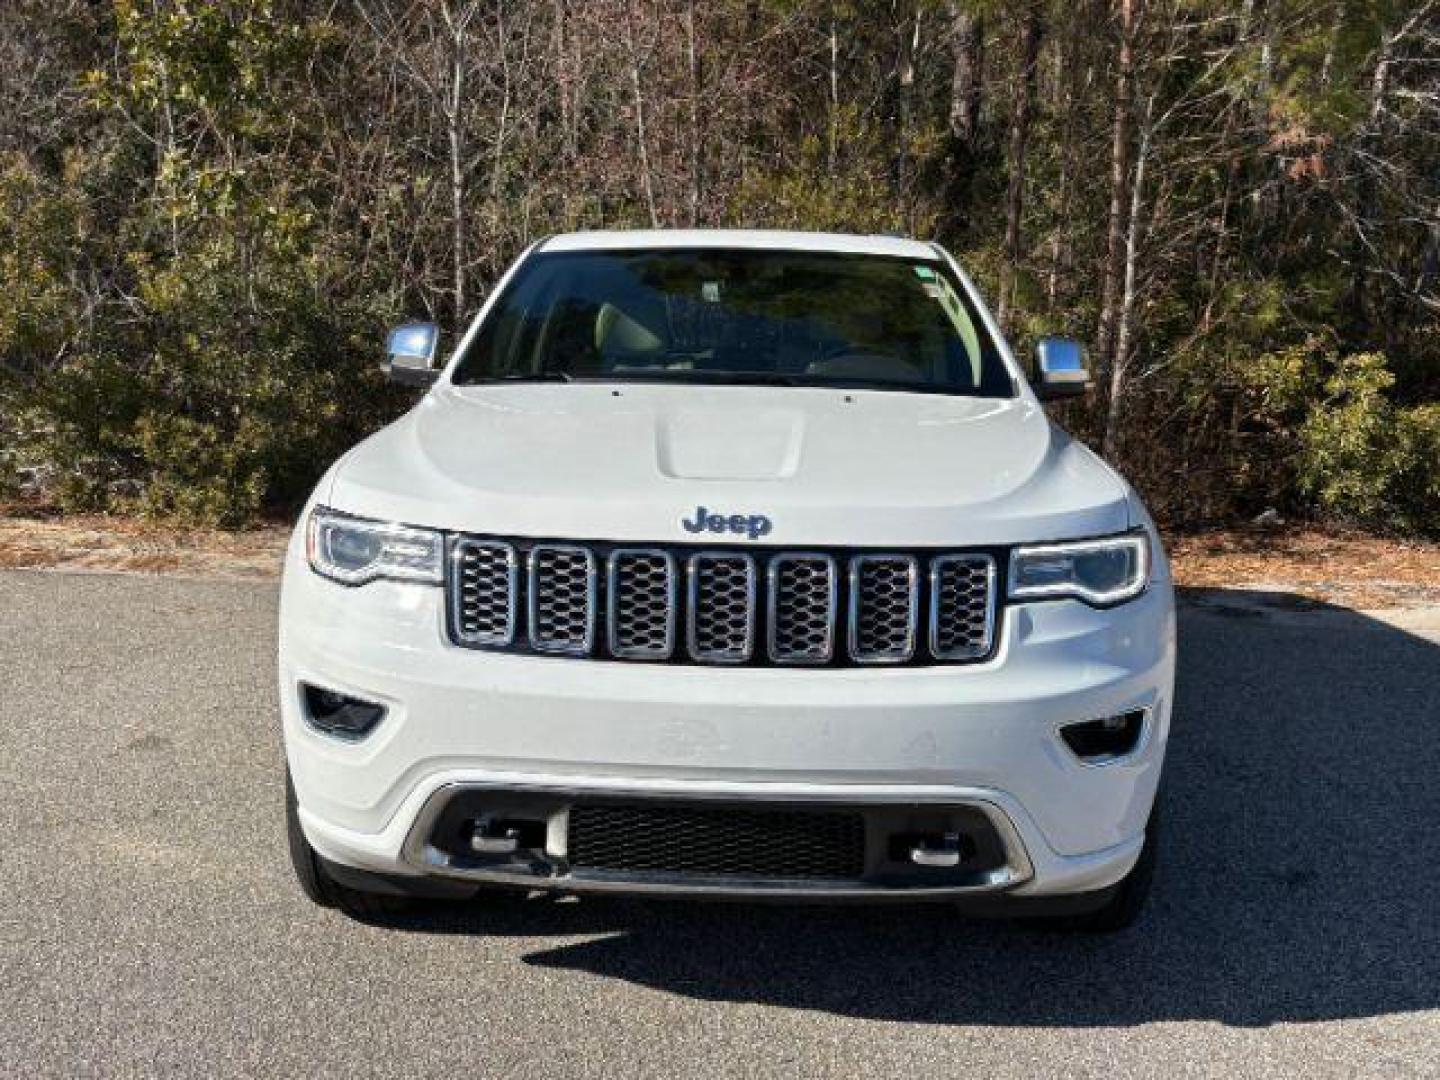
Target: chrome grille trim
[
  {"x": 764, "y": 606},
  {"x": 962, "y": 627},
  {"x": 474, "y": 574},
  {"x": 622, "y": 636},
  {"x": 783, "y": 628},
  {"x": 883, "y": 617},
  {"x": 564, "y": 634},
  {"x": 712, "y": 629}
]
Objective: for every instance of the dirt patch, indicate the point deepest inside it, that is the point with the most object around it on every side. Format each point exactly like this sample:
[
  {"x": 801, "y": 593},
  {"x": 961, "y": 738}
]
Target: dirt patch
[
  {"x": 122, "y": 544},
  {"x": 1346, "y": 568},
  {"x": 1334, "y": 566}
]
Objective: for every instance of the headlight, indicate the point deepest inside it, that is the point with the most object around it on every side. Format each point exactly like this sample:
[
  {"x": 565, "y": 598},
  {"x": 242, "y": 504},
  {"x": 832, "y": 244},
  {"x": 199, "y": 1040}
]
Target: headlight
[
  {"x": 1099, "y": 572},
  {"x": 356, "y": 550}
]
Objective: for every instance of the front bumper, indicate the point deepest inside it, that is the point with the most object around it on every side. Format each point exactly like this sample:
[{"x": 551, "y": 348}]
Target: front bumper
[
  {"x": 406, "y": 846},
  {"x": 981, "y": 736}
]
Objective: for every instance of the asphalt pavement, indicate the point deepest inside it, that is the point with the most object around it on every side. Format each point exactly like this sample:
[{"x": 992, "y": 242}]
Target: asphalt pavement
[{"x": 150, "y": 925}]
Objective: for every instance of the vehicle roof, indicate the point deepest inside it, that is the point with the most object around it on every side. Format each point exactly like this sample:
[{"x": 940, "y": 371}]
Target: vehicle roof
[{"x": 762, "y": 239}]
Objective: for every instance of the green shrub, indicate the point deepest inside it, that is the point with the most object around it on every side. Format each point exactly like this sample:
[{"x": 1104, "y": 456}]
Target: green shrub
[
  {"x": 1417, "y": 486},
  {"x": 1365, "y": 459},
  {"x": 241, "y": 383}
]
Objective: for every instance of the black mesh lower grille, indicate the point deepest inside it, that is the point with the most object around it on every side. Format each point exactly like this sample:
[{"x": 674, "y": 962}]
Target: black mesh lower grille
[{"x": 718, "y": 841}]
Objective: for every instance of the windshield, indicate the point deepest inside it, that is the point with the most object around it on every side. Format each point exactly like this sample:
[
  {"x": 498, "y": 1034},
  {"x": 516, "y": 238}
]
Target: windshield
[{"x": 792, "y": 318}]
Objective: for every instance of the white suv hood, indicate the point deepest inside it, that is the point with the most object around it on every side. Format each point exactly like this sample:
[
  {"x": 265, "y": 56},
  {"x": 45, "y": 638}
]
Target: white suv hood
[{"x": 827, "y": 467}]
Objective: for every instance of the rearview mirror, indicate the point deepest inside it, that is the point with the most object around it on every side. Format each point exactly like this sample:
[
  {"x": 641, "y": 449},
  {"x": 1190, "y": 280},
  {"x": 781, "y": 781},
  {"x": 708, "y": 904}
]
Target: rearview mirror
[
  {"x": 1060, "y": 369},
  {"x": 410, "y": 354}
]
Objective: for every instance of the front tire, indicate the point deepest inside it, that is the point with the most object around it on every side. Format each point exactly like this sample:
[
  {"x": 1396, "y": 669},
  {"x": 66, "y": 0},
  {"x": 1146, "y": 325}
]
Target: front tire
[{"x": 320, "y": 887}]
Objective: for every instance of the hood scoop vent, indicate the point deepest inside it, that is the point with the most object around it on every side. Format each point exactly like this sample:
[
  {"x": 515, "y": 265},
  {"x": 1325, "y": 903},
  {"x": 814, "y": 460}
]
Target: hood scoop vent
[{"x": 728, "y": 444}]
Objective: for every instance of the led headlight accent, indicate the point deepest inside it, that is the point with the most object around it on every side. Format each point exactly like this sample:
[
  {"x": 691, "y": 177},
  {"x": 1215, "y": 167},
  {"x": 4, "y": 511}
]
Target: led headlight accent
[
  {"x": 356, "y": 550},
  {"x": 1099, "y": 572}
]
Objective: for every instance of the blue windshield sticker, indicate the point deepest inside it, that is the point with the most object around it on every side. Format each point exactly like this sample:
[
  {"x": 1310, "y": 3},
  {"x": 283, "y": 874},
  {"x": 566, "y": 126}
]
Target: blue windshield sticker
[{"x": 924, "y": 273}]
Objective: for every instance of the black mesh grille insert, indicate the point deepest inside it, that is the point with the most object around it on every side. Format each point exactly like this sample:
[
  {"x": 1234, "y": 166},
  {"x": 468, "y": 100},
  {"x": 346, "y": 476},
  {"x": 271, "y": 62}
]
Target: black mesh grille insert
[
  {"x": 561, "y": 598},
  {"x": 642, "y": 603},
  {"x": 484, "y": 580},
  {"x": 722, "y": 607},
  {"x": 802, "y": 608},
  {"x": 883, "y": 597},
  {"x": 719, "y": 841},
  {"x": 961, "y": 606}
]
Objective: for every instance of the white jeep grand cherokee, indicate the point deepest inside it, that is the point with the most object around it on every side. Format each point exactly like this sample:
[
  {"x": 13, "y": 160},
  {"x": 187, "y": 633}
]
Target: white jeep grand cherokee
[{"x": 737, "y": 564}]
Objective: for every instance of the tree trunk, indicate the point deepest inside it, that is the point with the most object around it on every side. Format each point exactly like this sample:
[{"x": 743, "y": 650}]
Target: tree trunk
[
  {"x": 965, "y": 86},
  {"x": 1066, "y": 92},
  {"x": 905, "y": 94},
  {"x": 1266, "y": 70},
  {"x": 1113, "y": 276},
  {"x": 564, "y": 87},
  {"x": 1059, "y": 252},
  {"x": 752, "y": 127},
  {"x": 1233, "y": 179},
  {"x": 455, "y": 137},
  {"x": 833, "y": 151},
  {"x": 167, "y": 158},
  {"x": 1030, "y": 31},
  {"x": 696, "y": 140},
  {"x": 502, "y": 126},
  {"x": 1332, "y": 42},
  {"x": 1366, "y": 192},
  {"x": 1125, "y": 330},
  {"x": 964, "y": 113},
  {"x": 641, "y": 140},
  {"x": 1222, "y": 237}
]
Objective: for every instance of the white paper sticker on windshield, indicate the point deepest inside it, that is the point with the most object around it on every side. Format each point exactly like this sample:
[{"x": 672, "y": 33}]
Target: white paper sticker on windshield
[{"x": 710, "y": 292}]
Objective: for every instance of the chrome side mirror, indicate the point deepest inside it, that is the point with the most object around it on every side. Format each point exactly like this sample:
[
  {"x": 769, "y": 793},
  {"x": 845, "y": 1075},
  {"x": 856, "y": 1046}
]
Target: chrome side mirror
[
  {"x": 1060, "y": 369},
  {"x": 410, "y": 354}
]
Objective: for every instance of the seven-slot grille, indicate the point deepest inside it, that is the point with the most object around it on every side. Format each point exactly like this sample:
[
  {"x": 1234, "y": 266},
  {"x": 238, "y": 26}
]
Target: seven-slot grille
[{"x": 722, "y": 606}]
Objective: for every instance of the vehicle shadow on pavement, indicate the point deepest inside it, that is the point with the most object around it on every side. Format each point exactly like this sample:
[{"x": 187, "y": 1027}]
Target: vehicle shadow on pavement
[{"x": 1298, "y": 882}]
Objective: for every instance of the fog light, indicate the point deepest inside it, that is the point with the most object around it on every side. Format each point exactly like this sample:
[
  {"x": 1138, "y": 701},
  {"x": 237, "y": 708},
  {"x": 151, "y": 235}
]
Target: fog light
[
  {"x": 1096, "y": 741},
  {"x": 340, "y": 714}
]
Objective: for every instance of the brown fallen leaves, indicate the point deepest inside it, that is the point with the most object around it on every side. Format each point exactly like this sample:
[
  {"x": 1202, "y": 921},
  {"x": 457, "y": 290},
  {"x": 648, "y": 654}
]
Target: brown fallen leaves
[
  {"x": 98, "y": 543},
  {"x": 1348, "y": 568}
]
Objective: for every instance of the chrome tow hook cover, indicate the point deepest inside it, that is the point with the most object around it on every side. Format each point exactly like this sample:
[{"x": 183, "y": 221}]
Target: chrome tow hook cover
[
  {"x": 945, "y": 854},
  {"x": 494, "y": 838}
]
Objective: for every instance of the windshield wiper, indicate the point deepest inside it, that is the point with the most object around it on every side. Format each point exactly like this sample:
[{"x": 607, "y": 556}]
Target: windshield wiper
[
  {"x": 773, "y": 378},
  {"x": 727, "y": 378},
  {"x": 523, "y": 377},
  {"x": 843, "y": 382},
  {"x": 718, "y": 378}
]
